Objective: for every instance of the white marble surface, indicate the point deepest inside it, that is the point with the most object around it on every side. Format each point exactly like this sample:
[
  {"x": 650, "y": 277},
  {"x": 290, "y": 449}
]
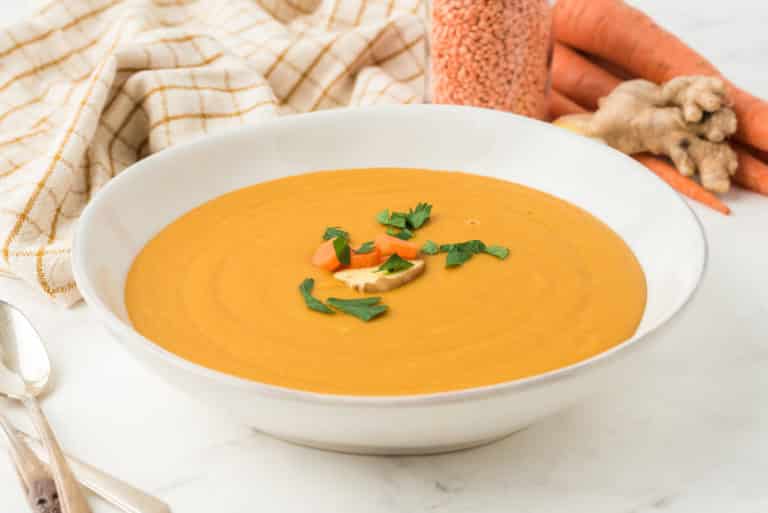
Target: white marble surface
[{"x": 692, "y": 439}]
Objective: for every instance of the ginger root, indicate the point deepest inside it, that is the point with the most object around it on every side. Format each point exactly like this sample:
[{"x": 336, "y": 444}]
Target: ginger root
[{"x": 687, "y": 119}]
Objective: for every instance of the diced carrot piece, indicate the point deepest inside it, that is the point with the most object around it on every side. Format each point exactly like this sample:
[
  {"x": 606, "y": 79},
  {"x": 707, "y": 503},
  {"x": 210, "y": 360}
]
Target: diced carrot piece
[
  {"x": 389, "y": 245},
  {"x": 359, "y": 260},
  {"x": 325, "y": 257}
]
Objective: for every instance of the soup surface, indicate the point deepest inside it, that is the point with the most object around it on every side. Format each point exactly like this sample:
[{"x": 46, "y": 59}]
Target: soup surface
[{"x": 219, "y": 286}]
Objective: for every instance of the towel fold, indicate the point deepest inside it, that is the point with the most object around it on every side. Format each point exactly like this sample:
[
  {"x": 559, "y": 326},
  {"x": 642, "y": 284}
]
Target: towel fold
[{"x": 88, "y": 87}]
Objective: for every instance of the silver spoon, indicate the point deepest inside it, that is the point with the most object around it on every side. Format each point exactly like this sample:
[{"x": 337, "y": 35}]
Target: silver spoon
[
  {"x": 25, "y": 376},
  {"x": 27, "y": 359}
]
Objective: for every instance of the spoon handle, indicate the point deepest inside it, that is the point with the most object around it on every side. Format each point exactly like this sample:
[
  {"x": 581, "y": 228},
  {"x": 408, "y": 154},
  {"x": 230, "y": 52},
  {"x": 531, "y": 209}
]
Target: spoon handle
[
  {"x": 71, "y": 496},
  {"x": 37, "y": 483},
  {"x": 118, "y": 493}
]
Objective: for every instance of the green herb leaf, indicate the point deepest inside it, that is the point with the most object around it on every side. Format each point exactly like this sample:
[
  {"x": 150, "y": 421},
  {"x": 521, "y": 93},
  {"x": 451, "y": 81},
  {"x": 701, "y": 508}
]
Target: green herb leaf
[
  {"x": 394, "y": 264},
  {"x": 365, "y": 248},
  {"x": 457, "y": 256},
  {"x": 343, "y": 253},
  {"x": 430, "y": 248},
  {"x": 396, "y": 219},
  {"x": 363, "y": 308},
  {"x": 404, "y": 234},
  {"x": 312, "y": 302},
  {"x": 420, "y": 215},
  {"x": 391, "y": 231},
  {"x": 475, "y": 246},
  {"x": 498, "y": 251},
  {"x": 334, "y": 231},
  {"x": 472, "y": 246},
  {"x": 414, "y": 218},
  {"x": 362, "y": 301},
  {"x": 460, "y": 252}
]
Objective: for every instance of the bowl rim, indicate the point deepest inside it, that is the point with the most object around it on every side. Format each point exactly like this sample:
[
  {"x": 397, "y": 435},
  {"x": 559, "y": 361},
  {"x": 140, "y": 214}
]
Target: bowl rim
[{"x": 129, "y": 335}]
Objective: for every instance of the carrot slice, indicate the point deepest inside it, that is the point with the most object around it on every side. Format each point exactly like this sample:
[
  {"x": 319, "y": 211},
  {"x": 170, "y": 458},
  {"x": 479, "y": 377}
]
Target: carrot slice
[
  {"x": 325, "y": 257},
  {"x": 359, "y": 260},
  {"x": 389, "y": 245}
]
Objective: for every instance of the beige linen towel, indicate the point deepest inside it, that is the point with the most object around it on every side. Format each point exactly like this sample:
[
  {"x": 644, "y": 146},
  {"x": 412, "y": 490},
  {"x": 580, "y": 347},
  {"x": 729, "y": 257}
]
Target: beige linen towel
[{"x": 87, "y": 87}]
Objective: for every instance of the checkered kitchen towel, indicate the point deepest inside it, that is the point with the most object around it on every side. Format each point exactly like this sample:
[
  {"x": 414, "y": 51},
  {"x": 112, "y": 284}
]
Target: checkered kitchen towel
[{"x": 87, "y": 87}]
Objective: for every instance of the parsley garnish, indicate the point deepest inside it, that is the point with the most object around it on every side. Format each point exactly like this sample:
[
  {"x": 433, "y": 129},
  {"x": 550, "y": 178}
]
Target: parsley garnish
[
  {"x": 312, "y": 302},
  {"x": 365, "y": 248},
  {"x": 418, "y": 216},
  {"x": 396, "y": 219},
  {"x": 414, "y": 218},
  {"x": 499, "y": 252},
  {"x": 394, "y": 264},
  {"x": 404, "y": 234},
  {"x": 460, "y": 252},
  {"x": 472, "y": 246},
  {"x": 334, "y": 231},
  {"x": 343, "y": 253},
  {"x": 430, "y": 248},
  {"x": 363, "y": 308},
  {"x": 457, "y": 256}
]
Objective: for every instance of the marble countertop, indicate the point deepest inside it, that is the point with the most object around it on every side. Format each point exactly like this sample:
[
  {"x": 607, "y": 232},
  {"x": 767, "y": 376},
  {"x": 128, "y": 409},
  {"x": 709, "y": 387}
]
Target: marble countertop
[{"x": 692, "y": 439}]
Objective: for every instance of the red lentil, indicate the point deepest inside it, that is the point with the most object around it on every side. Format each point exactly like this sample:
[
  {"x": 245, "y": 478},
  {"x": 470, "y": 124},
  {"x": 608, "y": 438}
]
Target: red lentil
[{"x": 492, "y": 53}]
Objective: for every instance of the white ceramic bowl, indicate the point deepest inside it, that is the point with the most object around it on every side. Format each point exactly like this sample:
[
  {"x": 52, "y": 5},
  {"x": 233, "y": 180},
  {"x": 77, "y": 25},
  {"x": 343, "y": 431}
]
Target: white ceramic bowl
[{"x": 652, "y": 219}]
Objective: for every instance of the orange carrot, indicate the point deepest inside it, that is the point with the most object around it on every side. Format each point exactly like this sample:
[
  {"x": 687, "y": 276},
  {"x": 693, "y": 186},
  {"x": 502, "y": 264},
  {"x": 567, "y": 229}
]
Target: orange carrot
[
  {"x": 621, "y": 34},
  {"x": 560, "y": 105},
  {"x": 610, "y": 67},
  {"x": 667, "y": 172},
  {"x": 682, "y": 184},
  {"x": 752, "y": 173},
  {"x": 370, "y": 259},
  {"x": 582, "y": 80},
  {"x": 762, "y": 155},
  {"x": 389, "y": 245},
  {"x": 325, "y": 257}
]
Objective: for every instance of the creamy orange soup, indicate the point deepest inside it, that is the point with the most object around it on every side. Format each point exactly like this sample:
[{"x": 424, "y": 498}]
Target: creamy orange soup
[{"x": 219, "y": 286}]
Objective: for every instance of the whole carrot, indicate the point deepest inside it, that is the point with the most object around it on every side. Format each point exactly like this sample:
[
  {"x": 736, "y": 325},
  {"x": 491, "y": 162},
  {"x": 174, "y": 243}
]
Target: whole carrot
[
  {"x": 560, "y": 105},
  {"x": 662, "y": 169},
  {"x": 752, "y": 172},
  {"x": 610, "y": 67},
  {"x": 762, "y": 155},
  {"x": 578, "y": 77},
  {"x": 682, "y": 184},
  {"x": 626, "y": 36}
]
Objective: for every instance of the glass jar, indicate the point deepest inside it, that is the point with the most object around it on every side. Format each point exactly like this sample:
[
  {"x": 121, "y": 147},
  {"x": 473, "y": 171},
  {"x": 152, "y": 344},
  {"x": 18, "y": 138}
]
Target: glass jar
[{"x": 491, "y": 53}]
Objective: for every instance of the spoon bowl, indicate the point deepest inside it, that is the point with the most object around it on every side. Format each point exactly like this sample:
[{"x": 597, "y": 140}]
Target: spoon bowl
[{"x": 25, "y": 367}]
